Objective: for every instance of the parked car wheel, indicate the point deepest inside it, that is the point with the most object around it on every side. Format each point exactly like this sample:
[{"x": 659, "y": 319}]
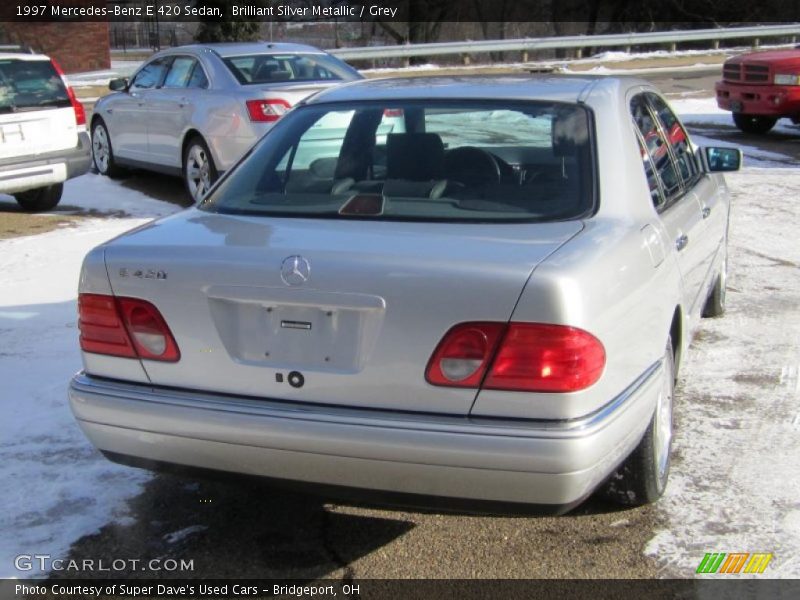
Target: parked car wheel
[
  {"x": 754, "y": 123},
  {"x": 199, "y": 171},
  {"x": 40, "y": 199},
  {"x": 642, "y": 478},
  {"x": 715, "y": 304},
  {"x": 102, "y": 153}
]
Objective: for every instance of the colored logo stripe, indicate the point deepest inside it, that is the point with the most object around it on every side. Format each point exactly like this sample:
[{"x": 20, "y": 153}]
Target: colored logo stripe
[
  {"x": 758, "y": 562},
  {"x": 734, "y": 562},
  {"x": 711, "y": 562}
]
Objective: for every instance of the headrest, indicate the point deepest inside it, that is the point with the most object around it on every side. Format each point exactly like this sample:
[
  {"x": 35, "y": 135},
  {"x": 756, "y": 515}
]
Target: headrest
[{"x": 414, "y": 156}]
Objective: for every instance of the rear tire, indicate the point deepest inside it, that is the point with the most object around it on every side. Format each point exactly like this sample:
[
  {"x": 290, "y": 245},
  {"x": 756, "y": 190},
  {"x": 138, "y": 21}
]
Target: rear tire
[
  {"x": 199, "y": 171},
  {"x": 754, "y": 123},
  {"x": 715, "y": 304},
  {"x": 102, "y": 152},
  {"x": 642, "y": 477},
  {"x": 40, "y": 199}
]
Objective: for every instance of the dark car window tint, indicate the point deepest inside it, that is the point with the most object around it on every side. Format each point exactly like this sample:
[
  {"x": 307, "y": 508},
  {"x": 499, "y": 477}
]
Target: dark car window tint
[
  {"x": 30, "y": 83},
  {"x": 451, "y": 160},
  {"x": 198, "y": 78},
  {"x": 151, "y": 74},
  {"x": 179, "y": 72},
  {"x": 652, "y": 179},
  {"x": 678, "y": 139},
  {"x": 657, "y": 150},
  {"x": 279, "y": 68}
]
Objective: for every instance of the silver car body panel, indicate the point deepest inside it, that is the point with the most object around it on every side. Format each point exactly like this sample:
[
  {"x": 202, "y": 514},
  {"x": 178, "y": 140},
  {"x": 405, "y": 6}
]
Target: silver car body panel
[
  {"x": 530, "y": 462},
  {"x": 151, "y": 126},
  {"x": 617, "y": 274}
]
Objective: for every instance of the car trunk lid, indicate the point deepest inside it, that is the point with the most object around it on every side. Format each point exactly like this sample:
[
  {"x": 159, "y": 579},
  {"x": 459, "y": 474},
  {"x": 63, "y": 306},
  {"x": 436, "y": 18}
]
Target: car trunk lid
[
  {"x": 324, "y": 311},
  {"x": 292, "y": 93}
]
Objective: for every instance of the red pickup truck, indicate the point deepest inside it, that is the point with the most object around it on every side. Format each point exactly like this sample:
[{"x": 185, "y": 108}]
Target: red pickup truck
[{"x": 761, "y": 87}]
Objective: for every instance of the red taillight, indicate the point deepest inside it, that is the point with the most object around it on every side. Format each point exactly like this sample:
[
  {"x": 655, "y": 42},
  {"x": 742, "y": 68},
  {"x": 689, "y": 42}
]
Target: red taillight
[
  {"x": 393, "y": 112},
  {"x": 126, "y": 327},
  {"x": 102, "y": 331},
  {"x": 531, "y": 357},
  {"x": 80, "y": 112},
  {"x": 461, "y": 357},
  {"x": 267, "y": 110},
  {"x": 536, "y": 357}
]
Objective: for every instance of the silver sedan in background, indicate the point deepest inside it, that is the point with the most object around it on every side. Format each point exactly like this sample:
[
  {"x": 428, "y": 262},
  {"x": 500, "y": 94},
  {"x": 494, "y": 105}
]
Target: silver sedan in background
[
  {"x": 194, "y": 110},
  {"x": 490, "y": 302}
]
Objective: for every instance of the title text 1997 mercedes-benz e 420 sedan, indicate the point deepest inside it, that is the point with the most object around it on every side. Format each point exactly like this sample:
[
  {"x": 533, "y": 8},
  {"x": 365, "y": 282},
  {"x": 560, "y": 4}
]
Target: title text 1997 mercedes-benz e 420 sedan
[{"x": 491, "y": 305}]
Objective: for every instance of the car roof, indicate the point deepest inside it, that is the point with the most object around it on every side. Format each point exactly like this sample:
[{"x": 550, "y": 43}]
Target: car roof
[
  {"x": 241, "y": 48},
  {"x": 23, "y": 56},
  {"x": 556, "y": 88}
]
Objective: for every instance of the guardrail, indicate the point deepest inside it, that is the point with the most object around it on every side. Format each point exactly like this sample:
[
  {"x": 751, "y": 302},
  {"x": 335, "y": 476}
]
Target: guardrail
[{"x": 526, "y": 45}]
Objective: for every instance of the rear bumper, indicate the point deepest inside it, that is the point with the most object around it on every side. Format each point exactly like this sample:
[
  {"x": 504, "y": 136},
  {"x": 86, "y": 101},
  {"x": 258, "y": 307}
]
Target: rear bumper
[
  {"x": 531, "y": 462},
  {"x": 22, "y": 173},
  {"x": 771, "y": 100}
]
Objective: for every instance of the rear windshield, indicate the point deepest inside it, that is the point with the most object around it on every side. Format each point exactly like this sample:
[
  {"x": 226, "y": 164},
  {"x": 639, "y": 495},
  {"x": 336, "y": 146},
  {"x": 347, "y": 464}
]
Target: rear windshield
[
  {"x": 422, "y": 161},
  {"x": 30, "y": 84},
  {"x": 278, "y": 68}
]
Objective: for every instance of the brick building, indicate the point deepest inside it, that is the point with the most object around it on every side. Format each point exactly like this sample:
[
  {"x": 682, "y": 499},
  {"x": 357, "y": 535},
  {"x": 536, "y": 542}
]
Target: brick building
[{"x": 76, "y": 45}]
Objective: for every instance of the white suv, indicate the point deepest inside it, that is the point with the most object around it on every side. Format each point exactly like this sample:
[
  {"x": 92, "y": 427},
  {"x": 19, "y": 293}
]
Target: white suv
[{"x": 43, "y": 137}]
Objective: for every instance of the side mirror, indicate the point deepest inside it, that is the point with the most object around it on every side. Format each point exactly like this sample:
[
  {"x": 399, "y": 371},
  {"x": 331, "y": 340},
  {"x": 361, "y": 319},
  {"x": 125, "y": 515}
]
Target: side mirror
[
  {"x": 118, "y": 85},
  {"x": 716, "y": 160}
]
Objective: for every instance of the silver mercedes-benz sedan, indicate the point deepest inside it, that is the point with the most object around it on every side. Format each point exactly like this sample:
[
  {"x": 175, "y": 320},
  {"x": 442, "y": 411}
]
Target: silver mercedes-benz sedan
[
  {"x": 491, "y": 305},
  {"x": 194, "y": 110}
]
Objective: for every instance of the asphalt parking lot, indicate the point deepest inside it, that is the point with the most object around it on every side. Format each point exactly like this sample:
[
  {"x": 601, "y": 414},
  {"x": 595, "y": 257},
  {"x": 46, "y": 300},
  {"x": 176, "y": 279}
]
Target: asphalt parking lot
[{"x": 739, "y": 365}]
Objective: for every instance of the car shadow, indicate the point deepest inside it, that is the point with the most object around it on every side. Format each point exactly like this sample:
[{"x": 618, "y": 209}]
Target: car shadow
[
  {"x": 245, "y": 528},
  {"x": 236, "y": 528},
  {"x": 156, "y": 186}
]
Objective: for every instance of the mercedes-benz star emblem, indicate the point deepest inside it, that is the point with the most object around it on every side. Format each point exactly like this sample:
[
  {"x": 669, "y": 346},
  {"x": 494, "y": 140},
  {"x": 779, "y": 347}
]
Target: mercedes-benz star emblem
[{"x": 295, "y": 270}]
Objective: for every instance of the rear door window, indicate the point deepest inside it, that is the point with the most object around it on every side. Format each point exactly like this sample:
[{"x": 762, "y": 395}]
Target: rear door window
[
  {"x": 658, "y": 162},
  {"x": 30, "y": 84},
  {"x": 179, "y": 72},
  {"x": 678, "y": 140}
]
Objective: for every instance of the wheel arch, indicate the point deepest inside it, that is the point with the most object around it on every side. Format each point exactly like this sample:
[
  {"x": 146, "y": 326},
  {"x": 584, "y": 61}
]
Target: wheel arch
[{"x": 188, "y": 136}]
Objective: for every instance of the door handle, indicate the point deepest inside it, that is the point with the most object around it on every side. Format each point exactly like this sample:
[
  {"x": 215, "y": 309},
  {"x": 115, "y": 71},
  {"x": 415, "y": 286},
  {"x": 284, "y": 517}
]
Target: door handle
[
  {"x": 706, "y": 212},
  {"x": 183, "y": 102},
  {"x": 682, "y": 242}
]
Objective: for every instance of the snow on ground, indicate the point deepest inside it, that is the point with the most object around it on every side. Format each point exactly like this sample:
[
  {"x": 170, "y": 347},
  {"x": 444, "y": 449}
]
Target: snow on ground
[
  {"x": 97, "y": 193},
  {"x": 619, "y": 56},
  {"x": 603, "y": 70},
  {"x": 55, "y": 487},
  {"x": 735, "y": 485}
]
